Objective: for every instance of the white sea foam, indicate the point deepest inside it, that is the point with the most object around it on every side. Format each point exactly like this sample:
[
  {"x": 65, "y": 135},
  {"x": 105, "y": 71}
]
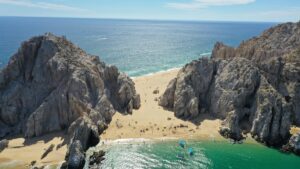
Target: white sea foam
[
  {"x": 101, "y": 38},
  {"x": 157, "y": 72},
  {"x": 205, "y": 54},
  {"x": 124, "y": 141},
  {"x": 135, "y": 140}
]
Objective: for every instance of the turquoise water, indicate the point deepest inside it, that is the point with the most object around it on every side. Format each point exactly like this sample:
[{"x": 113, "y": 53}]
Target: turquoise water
[
  {"x": 137, "y": 47},
  {"x": 208, "y": 155}
]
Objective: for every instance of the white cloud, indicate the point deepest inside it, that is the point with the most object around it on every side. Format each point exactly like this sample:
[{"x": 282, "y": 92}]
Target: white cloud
[
  {"x": 43, "y": 5},
  {"x": 196, "y": 4},
  {"x": 224, "y": 2},
  {"x": 192, "y": 5}
]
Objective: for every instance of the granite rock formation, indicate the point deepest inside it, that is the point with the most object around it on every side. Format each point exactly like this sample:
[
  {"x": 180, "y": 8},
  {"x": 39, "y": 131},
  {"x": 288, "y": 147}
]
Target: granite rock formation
[
  {"x": 277, "y": 55},
  {"x": 51, "y": 85},
  {"x": 254, "y": 88}
]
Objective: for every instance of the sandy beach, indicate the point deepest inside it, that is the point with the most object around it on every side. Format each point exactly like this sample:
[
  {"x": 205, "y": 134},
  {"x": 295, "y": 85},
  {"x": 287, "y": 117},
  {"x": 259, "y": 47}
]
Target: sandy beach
[
  {"x": 152, "y": 121},
  {"x": 149, "y": 122},
  {"x": 20, "y": 152}
]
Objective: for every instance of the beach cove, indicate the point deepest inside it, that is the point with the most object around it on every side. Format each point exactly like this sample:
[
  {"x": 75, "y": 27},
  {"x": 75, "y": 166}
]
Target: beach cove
[
  {"x": 88, "y": 98},
  {"x": 153, "y": 132},
  {"x": 149, "y": 122}
]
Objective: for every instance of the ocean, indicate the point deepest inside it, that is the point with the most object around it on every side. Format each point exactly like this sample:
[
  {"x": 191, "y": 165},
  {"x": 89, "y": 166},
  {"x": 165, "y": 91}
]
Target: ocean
[
  {"x": 137, "y": 47},
  {"x": 207, "y": 155}
]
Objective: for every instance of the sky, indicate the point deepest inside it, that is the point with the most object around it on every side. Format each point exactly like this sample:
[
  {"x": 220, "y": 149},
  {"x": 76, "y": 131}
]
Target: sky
[{"x": 203, "y": 10}]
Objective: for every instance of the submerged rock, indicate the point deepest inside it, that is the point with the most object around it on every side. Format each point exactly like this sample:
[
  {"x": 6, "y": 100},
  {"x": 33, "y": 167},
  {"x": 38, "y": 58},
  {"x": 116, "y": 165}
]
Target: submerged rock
[
  {"x": 254, "y": 88},
  {"x": 96, "y": 158}
]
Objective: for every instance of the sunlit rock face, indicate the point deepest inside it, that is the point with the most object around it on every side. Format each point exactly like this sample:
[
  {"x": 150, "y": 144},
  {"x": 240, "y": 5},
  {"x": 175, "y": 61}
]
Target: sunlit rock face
[
  {"x": 50, "y": 83},
  {"x": 254, "y": 88}
]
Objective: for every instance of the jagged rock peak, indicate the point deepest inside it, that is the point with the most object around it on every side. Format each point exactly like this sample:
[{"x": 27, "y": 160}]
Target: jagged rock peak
[
  {"x": 254, "y": 88},
  {"x": 50, "y": 82},
  {"x": 272, "y": 43},
  {"x": 277, "y": 54}
]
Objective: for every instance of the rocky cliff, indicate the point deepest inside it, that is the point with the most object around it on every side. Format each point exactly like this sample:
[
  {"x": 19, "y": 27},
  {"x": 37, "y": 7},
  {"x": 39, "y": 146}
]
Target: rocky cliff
[
  {"x": 254, "y": 88},
  {"x": 277, "y": 55},
  {"x": 50, "y": 85}
]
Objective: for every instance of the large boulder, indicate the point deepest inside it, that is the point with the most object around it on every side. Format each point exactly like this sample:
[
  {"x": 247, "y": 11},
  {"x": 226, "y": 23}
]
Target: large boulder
[
  {"x": 3, "y": 144},
  {"x": 187, "y": 93},
  {"x": 86, "y": 132},
  {"x": 76, "y": 156},
  {"x": 254, "y": 88},
  {"x": 294, "y": 144},
  {"x": 50, "y": 83},
  {"x": 85, "y": 135}
]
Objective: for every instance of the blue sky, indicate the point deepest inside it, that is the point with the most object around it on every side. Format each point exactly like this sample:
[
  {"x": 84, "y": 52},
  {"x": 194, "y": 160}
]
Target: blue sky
[{"x": 221, "y": 10}]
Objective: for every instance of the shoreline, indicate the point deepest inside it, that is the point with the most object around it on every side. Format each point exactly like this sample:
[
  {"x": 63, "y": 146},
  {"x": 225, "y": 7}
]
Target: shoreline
[
  {"x": 247, "y": 140},
  {"x": 156, "y": 73},
  {"x": 151, "y": 123},
  {"x": 176, "y": 68}
]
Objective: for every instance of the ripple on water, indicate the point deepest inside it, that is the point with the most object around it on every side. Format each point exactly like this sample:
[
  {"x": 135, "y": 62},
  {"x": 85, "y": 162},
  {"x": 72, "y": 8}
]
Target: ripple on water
[
  {"x": 208, "y": 155},
  {"x": 153, "y": 155}
]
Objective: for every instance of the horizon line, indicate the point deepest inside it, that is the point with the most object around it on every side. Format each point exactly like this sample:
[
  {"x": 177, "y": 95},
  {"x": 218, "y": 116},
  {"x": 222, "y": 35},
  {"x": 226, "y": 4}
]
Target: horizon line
[{"x": 145, "y": 19}]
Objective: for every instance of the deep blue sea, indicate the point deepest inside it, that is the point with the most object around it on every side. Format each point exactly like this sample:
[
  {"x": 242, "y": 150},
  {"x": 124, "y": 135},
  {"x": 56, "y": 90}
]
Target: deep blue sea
[{"x": 137, "y": 47}]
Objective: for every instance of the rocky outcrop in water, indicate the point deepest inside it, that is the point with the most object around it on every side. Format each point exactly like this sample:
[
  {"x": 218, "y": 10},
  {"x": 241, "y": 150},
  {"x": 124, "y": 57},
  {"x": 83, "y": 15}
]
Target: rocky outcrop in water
[
  {"x": 254, "y": 88},
  {"x": 293, "y": 144},
  {"x": 96, "y": 158}
]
